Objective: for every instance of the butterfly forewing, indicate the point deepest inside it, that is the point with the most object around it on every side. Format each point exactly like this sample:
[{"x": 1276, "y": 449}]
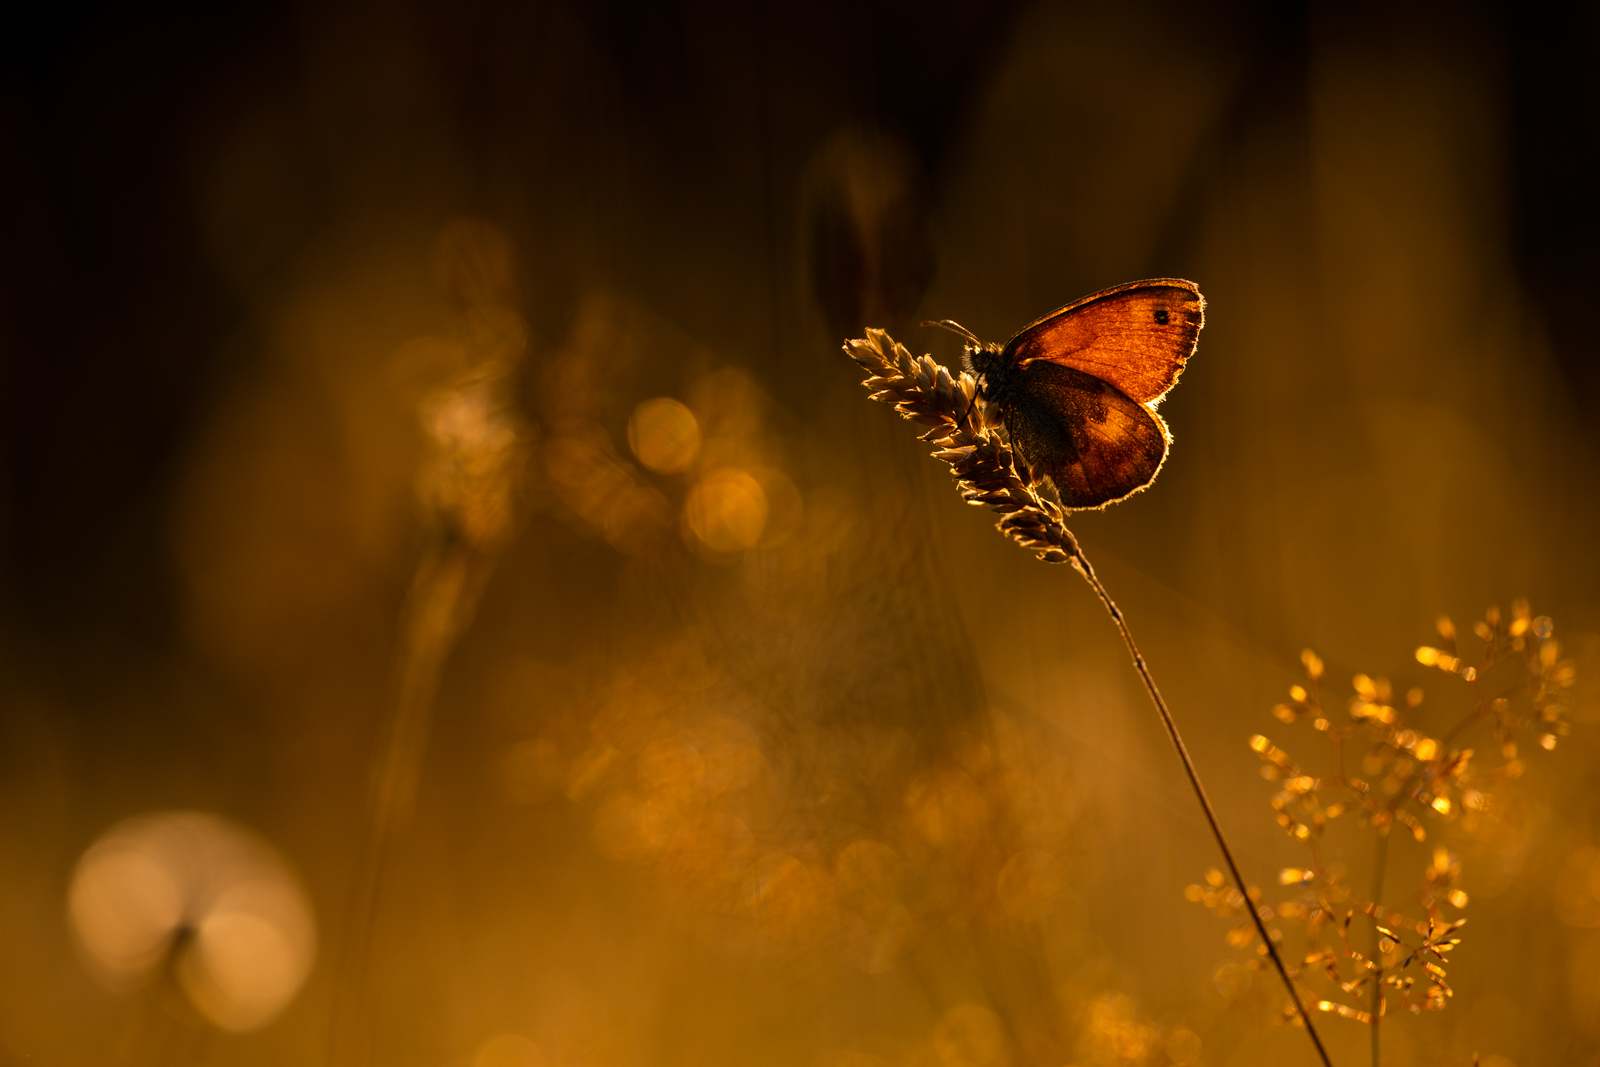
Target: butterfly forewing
[{"x": 1136, "y": 336}]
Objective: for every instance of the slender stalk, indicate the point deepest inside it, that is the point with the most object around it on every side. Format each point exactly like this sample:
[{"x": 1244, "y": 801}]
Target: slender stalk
[
  {"x": 1081, "y": 562},
  {"x": 442, "y": 598},
  {"x": 985, "y": 469},
  {"x": 1379, "y": 868}
]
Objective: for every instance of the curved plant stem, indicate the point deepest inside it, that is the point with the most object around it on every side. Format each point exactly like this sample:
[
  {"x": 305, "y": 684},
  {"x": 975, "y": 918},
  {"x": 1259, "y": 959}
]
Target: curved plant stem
[{"x": 1081, "y": 563}]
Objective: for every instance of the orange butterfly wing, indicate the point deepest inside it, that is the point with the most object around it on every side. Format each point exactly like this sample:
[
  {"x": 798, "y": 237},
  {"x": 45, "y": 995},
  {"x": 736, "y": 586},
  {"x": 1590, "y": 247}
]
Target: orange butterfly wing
[
  {"x": 1135, "y": 337},
  {"x": 1094, "y": 444}
]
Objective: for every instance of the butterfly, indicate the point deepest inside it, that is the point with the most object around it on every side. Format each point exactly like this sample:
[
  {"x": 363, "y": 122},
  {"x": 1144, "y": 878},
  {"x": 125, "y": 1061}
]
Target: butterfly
[{"x": 1077, "y": 390}]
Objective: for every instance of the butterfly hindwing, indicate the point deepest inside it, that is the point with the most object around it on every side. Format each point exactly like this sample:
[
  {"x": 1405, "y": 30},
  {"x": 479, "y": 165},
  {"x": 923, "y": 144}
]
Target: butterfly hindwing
[
  {"x": 1094, "y": 443},
  {"x": 1136, "y": 336}
]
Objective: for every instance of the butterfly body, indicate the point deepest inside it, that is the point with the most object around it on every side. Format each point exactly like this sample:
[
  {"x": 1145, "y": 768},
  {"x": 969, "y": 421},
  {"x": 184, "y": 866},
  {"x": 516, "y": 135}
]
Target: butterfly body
[{"x": 1076, "y": 390}]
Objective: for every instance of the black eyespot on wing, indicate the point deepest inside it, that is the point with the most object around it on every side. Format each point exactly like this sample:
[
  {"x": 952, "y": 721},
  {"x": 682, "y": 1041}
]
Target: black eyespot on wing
[
  {"x": 1161, "y": 316},
  {"x": 1116, "y": 336}
]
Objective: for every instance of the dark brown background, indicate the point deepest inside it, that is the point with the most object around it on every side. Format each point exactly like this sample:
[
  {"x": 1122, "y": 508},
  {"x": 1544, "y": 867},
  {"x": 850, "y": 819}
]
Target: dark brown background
[{"x": 217, "y": 221}]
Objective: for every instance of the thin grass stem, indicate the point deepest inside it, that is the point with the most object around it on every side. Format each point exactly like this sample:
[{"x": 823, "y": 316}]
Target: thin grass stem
[
  {"x": 1082, "y": 565},
  {"x": 987, "y": 475}
]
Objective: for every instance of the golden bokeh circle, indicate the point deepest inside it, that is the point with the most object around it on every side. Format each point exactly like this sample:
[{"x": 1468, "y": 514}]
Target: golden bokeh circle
[
  {"x": 664, "y": 435},
  {"x": 727, "y": 511}
]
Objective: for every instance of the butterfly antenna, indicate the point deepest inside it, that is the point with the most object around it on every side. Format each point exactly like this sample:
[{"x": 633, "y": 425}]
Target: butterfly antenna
[{"x": 955, "y": 328}]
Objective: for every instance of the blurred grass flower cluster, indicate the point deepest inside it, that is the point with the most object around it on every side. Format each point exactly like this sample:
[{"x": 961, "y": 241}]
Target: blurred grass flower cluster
[{"x": 1390, "y": 766}]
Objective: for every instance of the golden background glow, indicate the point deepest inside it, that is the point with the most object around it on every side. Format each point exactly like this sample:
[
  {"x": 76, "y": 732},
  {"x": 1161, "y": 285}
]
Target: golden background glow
[{"x": 462, "y": 609}]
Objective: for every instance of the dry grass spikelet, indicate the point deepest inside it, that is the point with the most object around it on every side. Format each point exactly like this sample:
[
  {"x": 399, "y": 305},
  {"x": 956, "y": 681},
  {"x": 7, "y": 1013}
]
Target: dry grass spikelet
[{"x": 979, "y": 456}]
